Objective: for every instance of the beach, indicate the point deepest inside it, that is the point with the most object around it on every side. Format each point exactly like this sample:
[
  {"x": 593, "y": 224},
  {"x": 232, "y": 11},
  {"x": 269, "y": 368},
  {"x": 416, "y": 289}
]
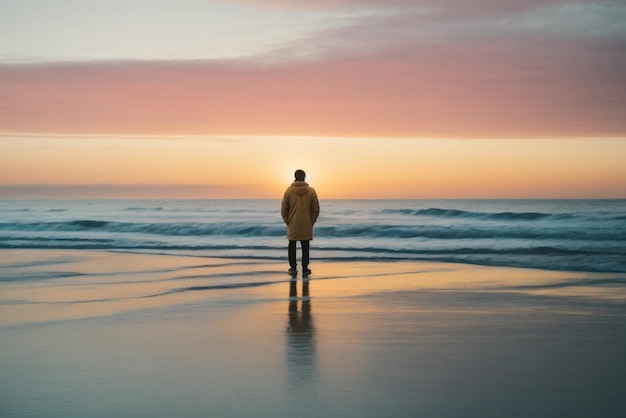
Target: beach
[
  {"x": 100, "y": 333},
  {"x": 452, "y": 172}
]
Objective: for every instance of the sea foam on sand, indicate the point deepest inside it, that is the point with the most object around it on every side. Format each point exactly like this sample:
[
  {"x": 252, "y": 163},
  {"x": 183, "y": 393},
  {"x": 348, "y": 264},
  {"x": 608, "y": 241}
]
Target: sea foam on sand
[{"x": 101, "y": 334}]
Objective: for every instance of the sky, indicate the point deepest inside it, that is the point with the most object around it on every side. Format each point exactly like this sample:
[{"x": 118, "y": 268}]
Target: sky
[{"x": 374, "y": 99}]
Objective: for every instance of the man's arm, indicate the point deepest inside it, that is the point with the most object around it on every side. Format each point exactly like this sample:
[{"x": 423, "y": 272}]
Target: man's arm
[
  {"x": 284, "y": 208},
  {"x": 315, "y": 207}
]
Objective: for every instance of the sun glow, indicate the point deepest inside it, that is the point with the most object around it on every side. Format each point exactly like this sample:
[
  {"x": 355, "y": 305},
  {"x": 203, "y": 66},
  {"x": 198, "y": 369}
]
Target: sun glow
[{"x": 337, "y": 167}]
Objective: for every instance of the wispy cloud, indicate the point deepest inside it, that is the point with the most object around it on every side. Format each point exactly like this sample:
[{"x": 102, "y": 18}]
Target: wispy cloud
[
  {"x": 454, "y": 68},
  {"x": 477, "y": 89},
  {"x": 139, "y": 137},
  {"x": 129, "y": 191}
]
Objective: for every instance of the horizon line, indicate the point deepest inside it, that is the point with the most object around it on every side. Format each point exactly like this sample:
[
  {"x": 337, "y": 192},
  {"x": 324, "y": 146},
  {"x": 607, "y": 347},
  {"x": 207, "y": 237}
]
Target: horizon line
[{"x": 191, "y": 191}]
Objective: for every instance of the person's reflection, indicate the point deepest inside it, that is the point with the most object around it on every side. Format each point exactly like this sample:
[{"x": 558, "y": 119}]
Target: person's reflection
[{"x": 300, "y": 336}]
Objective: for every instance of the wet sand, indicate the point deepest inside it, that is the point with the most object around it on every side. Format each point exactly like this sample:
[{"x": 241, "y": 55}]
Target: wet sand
[{"x": 101, "y": 334}]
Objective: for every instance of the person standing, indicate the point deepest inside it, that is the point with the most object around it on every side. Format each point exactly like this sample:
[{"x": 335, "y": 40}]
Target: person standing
[{"x": 299, "y": 210}]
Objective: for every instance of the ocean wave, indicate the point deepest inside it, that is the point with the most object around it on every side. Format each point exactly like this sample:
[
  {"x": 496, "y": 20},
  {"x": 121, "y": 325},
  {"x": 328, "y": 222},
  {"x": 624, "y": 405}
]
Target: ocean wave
[
  {"x": 545, "y": 258},
  {"x": 327, "y": 246},
  {"x": 167, "y": 229},
  {"x": 447, "y": 232},
  {"x": 88, "y": 243},
  {"x": 535, "y": 251},
  {"x": 577, "y": 235},
  {"x": 144, "y": 209},
  {"x": 538, "y": 256},
  {"x": 457, "y": 213},
  {"x": 382, "y": 231}
]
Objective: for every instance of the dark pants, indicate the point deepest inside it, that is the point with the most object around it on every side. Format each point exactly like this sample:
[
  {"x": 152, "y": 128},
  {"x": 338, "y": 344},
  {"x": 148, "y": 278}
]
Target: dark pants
[{"x": 305, "y": 253}]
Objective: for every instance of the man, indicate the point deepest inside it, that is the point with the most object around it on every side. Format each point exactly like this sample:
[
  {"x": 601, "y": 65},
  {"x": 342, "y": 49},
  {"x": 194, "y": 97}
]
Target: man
[{"x": 299, "y": 209}]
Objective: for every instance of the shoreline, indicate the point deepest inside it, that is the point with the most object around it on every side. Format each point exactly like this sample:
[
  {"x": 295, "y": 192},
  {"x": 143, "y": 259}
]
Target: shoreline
[
  {"x": 94, "y": 282},
  {"x": 97, "y": 334}
]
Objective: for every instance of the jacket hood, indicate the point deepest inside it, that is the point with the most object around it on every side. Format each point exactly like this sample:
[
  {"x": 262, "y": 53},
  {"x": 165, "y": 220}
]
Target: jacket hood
[{"x": 299, "y": 187}]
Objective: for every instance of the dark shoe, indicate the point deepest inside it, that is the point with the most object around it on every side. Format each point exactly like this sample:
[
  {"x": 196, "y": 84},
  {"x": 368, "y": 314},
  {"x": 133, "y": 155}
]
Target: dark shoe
[
  {"x": 293, "y": 271},
  {"x": 305, "y": 270}
]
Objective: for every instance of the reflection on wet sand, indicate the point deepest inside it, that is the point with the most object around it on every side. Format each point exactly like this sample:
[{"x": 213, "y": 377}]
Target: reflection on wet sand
[{"x": 301, "y": 361}]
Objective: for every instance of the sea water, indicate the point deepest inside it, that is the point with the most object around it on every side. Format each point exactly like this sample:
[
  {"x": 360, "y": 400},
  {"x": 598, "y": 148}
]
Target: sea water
[
  {"x": 577, "y": 235},
  {"x": 174, "y": 336}
]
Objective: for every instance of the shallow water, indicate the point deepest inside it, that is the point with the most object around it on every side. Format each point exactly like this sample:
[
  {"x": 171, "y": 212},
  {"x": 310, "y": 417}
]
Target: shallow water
[{"x": 100, "y": 334}]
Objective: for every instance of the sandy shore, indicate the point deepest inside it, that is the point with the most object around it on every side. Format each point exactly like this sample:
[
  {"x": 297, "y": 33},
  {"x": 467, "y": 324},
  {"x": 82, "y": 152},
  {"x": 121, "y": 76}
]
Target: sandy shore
[{"x": 101, "y": 334}]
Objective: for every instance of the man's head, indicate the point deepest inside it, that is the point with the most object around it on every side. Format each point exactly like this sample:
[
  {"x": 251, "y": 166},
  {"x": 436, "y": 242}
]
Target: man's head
[{"x": 300, "y": 175}]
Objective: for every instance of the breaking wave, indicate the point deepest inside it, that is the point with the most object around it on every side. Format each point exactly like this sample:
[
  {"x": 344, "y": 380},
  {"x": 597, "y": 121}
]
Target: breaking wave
[
  {"x": 399, "y": 231},
  {"x": 456, "y": 213},
  {"x": 583, "y": 235}
]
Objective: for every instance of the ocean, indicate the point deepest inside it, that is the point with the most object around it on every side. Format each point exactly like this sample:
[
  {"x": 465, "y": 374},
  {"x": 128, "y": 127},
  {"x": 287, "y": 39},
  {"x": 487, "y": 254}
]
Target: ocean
[
  {"x": 567, "y": 235},
  {"x": 184, "y": 308}
]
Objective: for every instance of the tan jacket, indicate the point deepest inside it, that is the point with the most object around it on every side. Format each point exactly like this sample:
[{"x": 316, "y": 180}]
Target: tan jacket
[{"x": 300, "y": 209}]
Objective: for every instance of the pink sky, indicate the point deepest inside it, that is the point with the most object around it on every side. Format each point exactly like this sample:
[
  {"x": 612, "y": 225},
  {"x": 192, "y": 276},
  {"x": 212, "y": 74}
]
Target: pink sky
[
  {"x": 525, "y": 73},
  {"x": 503, "y": 88}
]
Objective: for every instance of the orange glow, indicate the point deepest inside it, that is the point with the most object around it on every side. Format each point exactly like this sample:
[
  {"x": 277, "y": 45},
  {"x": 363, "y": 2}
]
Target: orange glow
[
  {"x": 261, "y": 167},
  {"x": 416, "y": 100}
]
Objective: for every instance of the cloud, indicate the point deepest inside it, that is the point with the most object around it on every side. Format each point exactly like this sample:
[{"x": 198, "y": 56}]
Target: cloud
[
  {"x": 448, "y": 9},
  {"x": 401, "y": 24},
  {"x": 371, "y": 24},
  {"x": 474, "y": 89},
  {"x": 453, "y": 68},
  {"x": 129, "y": 191}
]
